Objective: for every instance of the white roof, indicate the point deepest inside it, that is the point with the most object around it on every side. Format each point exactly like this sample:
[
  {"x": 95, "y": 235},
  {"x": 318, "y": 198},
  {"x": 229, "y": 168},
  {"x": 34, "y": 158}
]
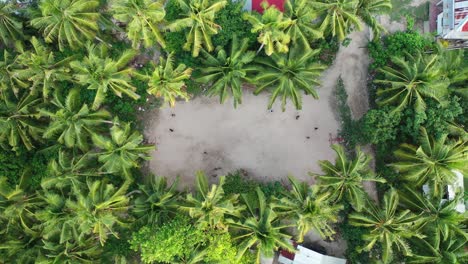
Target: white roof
[{"x": 307, "y": 256}]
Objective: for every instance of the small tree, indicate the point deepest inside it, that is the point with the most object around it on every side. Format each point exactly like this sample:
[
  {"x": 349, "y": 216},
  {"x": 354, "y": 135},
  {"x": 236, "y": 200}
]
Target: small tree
[
  {"x": 143, "y": 19},
  {"x": 69, "y": 22},
  {"x": 388, "y": 226},
  {"x": 198, "y": 16},
  {"x": 310, "y": 210},
  {"x": 344, "y": 178},
  {"x": 97, "y": 71},
  {"x": 168, "y": 82}
]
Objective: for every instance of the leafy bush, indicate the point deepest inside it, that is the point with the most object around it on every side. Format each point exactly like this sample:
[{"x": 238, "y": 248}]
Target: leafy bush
[
  {"x": 379, "y": 125},
  {"x": 231, "y": 23},
  {"x": 328, "y": 49},
  {"x": 398, "y": 44},
  {"x": 353, "y": 236},
  {"x": 33, "y": 164},
  {"x": 172, "y": 241}
]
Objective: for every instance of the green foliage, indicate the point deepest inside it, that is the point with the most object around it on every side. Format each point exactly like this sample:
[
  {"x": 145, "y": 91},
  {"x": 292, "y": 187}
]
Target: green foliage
[
  {"x": 197, "y": 19},
  {"x": 288, "y": 75},
  {"x": 68, "y": 22},
  {"x": 328, "y": 48},
  {"x": 353, "y": 236},
  {"x": 231, "y": 22},
  {"x": 239, "y": 183},
  {"x": 380, "y": 125},
  {"x": 349, "y": 128},
  {"x": 221, "y": 249},
  {"x": 398, "y": 45},
  {"x": 172, "y": 241}
]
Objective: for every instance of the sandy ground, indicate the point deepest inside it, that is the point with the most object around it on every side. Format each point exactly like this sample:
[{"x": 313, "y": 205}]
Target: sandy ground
[{"x": 218, "y": 139}]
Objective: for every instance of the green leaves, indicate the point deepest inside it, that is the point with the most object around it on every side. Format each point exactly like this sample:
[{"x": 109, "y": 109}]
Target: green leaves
[
  {"x": 209, "y": 206},
  {"x": 260, "y": 227},
  {"x": 309, "y": 209},
  {"x": 433, "y": 162},
  {"x": 388, "y": 226},
  {"x": 410, "y": 82},
  {"x": 19, "y": 126},
  {"x": 73, "y": 122},
  {"x": 11, "y": 28},
  {"x": 99, "y": 72},
  {"x": 224, "y": 73},
  {"x": 69, "y": 22},
  {"x": 122, "y": 151},
  {"x": 168, "y": 82},
  {"x": 338, "y": 17},
  {"x": 143, "y": 19},
  {"x": 172, "y": 242},
  {"x": 344, "y": 179},
  {"x": 271, "y": 27},
  {"x": 287, "y": 74},
  {"x": 198, "y": 16}
]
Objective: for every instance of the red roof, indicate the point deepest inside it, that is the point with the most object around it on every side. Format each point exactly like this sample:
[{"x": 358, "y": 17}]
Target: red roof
[
  {"x": 257, "y": 5},
  {"x": 465, "y": 27}
]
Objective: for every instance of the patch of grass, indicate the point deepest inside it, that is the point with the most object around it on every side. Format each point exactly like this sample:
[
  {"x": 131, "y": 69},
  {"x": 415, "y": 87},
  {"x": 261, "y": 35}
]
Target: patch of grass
[{"x": 350, "y": 128}]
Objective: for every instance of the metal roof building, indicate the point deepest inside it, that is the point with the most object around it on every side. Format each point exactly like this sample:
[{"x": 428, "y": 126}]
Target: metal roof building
[{"x": 452, "y": 22}]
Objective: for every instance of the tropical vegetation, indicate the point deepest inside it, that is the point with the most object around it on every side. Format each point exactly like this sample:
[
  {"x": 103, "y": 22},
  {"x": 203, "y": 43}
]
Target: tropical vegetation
[{"x": 75, "y": 76}]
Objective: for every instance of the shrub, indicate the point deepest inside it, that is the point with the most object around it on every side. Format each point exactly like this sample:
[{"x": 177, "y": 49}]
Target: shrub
[
  {"x": 231, "y": 23},
  {"x": 397, "y": 45},
  {"x": 173, "y": 241},
  {"x": 379, "y": 125},
  {"x": 350, "y": 129}
]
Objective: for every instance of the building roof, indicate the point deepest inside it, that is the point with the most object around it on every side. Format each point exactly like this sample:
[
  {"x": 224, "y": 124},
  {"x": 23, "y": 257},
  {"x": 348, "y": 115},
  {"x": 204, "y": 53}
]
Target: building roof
[
  {"x": 452, "y": 23},
  {"x": 257, "y": 5},
  {"x": 307, "y": 256}
]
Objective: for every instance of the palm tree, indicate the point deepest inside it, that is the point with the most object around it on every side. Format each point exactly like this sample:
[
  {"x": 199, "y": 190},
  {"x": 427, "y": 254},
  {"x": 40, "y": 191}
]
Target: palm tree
[
  {"x": 69, "y": 22},
  {"x": 167, "y": 82},
  {"x": 367, "y": 11},
  {"x": 209, "y": 206},
  {"x": 271, "y": 28},
  {"x": 310, "y": 210},
  {"x": 302, "y": 15},
  {"x": 157, "y": 202},
  {"x": 411, "y": 81},
  {"x": 441, "y": 252},
  {"x": 122, "y": 151},
  {"x": 338, "y": 17},
  {"x": 19, "y": 125},
  {"x": 387, "y": 226},
  {"x": 98, "y": 71},
  {"x": 74, "y": 251},
  {"x": 142, "y": 18},
  {"x": 344, "y": 178},
  {"x": 11, "y": 28},
  {"x": 198, "y": 16},
  {"x": 442, "y": 220},
  {"x": 98, "y": 208},
  {"x": 453, "y": 67},
  {"x": 9, "y": 79},
  {"x": 434, "y": 161},
  {"x": 261, "y": 228},
  {"x": 68, "y": 171},
  {"x": 73, "y": 122},
  {"x": 41, "y": 69},
  {"x": 17, "y": 208},
  {"x": 287, "y": 74},
  {"x": 225, "y": 73}
]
